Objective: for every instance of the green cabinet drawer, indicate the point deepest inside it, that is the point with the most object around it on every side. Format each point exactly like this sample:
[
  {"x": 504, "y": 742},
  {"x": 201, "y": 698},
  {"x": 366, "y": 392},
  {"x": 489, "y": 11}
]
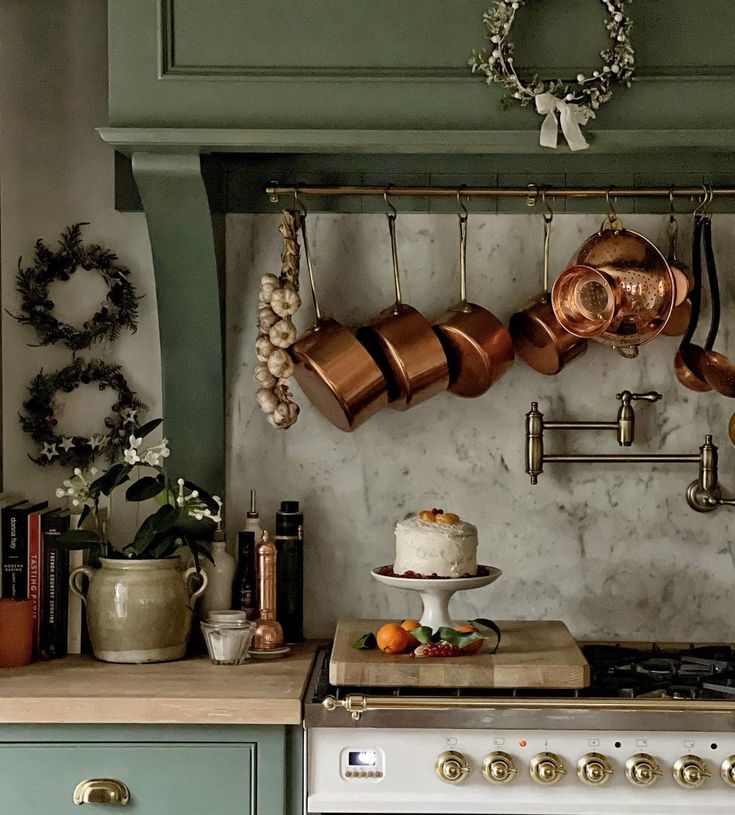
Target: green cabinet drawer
[{"x": 163, "y": 779}]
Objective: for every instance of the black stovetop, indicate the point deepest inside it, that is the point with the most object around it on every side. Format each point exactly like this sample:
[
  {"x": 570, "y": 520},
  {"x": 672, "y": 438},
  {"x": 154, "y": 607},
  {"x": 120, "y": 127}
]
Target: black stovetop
[{"x": 617, "y": 671}]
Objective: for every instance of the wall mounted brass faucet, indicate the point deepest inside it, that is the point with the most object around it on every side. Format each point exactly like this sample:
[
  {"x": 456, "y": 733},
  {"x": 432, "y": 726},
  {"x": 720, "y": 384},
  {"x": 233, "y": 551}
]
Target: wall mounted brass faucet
[{"x": 703, "y": 494}]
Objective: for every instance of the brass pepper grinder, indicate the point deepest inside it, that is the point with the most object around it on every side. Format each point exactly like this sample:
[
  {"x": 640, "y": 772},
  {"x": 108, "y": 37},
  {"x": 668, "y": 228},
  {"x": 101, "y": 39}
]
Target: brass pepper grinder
[{"x": 268, "y": 633}]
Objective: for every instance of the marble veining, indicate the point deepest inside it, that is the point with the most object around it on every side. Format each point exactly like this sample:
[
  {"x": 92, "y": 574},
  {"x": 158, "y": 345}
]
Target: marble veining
[{"x": 613, "y": 551}]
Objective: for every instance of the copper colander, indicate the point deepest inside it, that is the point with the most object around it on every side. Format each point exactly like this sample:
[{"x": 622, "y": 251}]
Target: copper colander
[{"x": 618, "y": 289}]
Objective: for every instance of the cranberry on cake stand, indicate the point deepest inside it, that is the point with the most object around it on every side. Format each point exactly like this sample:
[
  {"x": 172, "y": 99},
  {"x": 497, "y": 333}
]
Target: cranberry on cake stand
[{"x": 436, "y": 592}]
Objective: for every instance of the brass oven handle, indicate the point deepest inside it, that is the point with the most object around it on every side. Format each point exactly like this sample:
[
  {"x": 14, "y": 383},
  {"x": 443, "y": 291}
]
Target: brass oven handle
[{"x": 102, "y": 791}]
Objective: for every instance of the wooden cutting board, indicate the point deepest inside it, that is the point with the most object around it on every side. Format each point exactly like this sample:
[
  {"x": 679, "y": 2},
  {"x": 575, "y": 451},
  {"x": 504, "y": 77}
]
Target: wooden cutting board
[{"x": 532, "y": 654}]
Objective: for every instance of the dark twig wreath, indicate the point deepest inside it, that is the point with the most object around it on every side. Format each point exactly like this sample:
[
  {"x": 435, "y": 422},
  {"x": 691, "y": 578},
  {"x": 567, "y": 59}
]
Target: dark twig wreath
[
  {"x": 40, "y": 422},
  {"x": 119, "y": 309}
]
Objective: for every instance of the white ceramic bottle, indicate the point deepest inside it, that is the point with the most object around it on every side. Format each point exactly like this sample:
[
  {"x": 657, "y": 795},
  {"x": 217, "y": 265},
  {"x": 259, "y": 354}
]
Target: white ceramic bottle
[{"x": 221, "y": 574}]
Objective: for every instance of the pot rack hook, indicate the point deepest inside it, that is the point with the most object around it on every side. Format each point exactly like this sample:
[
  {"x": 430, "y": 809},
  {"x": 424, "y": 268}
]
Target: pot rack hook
[
  {"x": 549, "y": 214},
  {"x": 705, "y": 200},
  {"x": 464, "y": 213},
  {"x": 390, "y": 210},
  {"x": 299, "y": 203},
  {"x": 613, "y": 219},
  {"x": 532, "y": 196},
  {"x": 672, "y": 213}
]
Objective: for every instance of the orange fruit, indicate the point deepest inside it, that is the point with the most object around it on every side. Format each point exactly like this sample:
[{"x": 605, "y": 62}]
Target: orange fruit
[
  {"x": 410, "y": 625},
  {"x": 393, "y": 639},
  {"x": 473, "y": 647}
]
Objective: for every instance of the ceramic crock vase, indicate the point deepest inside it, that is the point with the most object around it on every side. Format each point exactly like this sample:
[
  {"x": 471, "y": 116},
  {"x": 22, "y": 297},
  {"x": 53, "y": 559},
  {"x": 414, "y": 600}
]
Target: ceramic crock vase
[{"x": 138, "y": 610}]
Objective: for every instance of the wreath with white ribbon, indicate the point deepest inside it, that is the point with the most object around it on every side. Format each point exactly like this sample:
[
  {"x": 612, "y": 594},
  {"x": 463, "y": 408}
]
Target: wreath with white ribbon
[{"x": 573, "y": 102}]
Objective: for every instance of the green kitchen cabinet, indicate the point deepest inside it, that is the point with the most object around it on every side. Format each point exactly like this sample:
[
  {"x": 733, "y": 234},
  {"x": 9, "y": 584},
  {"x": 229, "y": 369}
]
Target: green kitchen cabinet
[
  {"x": 210, "y": 100},
  {"x": 176, "y": 770}
]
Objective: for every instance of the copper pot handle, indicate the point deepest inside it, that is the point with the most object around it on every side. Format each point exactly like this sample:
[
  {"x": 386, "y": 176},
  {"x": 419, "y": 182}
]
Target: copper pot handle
[
  {"x": 394, "y": 254},
  {"x": 548, "y": 218},
  {"x": 312, "y": 284},
  {"x": 463, "y": 258}
]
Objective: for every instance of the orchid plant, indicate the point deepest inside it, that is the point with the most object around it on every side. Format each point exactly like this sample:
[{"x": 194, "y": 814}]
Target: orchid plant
[{"x": 186, "y": 517}]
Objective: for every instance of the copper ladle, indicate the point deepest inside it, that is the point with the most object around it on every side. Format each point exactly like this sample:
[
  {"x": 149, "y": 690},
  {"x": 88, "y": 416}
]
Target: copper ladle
[
  {"x": 479, "y": 349},
  {"x": 718, "y": 370},
  {"x": 690, "y": 357}
]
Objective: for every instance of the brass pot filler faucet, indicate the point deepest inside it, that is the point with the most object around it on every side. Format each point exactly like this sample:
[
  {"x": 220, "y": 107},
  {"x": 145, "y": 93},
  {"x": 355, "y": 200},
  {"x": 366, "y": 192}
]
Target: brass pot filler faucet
[{"x": 703, "y": 495}]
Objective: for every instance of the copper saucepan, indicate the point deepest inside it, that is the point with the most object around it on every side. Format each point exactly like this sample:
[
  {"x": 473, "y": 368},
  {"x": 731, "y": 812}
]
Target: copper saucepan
[
  {"x": 405, "y": 347},
  {"x": 334, "y": 370},
  {"x": 477, "y": 346},
  {"x": 538, "y": 336}
]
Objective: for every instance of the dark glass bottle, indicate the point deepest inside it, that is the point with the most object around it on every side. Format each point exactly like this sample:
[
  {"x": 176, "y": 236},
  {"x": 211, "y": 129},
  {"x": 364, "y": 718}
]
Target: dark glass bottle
[
  {"x": 290, "y": 570},
  {"x": 245, "y": 588}
]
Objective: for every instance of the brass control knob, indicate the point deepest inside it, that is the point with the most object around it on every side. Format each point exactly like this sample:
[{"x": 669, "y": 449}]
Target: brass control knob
[
  {"x": 727, "y": 771},
  {"x": 452, "y": 767},
  {"x": 594, "y": 769},
  {"x": 546, "y": 768},
  {"x": 499, "y": 768},
  {"x": 690, "y": 771},
  {"x": 642, "y": 769}
]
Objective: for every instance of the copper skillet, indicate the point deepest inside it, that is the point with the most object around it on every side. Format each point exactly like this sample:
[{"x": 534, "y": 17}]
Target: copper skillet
[
  {"x": 403, "y": 344},
  {"x": 478, "y": 348},
  {"x": 333, "y": 369},
  {"x": 538, "y": 336},
  {"x": 689, "y": 360}
]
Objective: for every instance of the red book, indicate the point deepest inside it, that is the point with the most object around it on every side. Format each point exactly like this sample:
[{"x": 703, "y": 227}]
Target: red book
[{"x": 35, "y": 576}]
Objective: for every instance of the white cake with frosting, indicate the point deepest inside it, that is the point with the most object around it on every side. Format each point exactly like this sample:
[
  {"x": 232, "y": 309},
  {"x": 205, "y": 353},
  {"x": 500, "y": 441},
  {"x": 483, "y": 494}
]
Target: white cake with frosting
[{"x": 434, "y": 543}]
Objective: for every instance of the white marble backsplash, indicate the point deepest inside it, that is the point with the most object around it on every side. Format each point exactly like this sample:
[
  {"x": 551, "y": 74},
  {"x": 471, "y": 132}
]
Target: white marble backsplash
[{"x": 612, "y": 550}]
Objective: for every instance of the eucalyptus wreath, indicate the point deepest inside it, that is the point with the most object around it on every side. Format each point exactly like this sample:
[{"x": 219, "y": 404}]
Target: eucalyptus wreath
[
  {"x": 574, "y": 100},
  {"x": 118, "y": 311},
  {"x": 38, "y": 418}
]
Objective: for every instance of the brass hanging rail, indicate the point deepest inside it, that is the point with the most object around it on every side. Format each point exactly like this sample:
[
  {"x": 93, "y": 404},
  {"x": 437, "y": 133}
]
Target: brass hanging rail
[{"x": 531, "y": 193}]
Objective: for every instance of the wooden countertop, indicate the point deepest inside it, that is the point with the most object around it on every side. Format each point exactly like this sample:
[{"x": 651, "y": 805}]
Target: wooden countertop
[{"x": 81, "y": 690}]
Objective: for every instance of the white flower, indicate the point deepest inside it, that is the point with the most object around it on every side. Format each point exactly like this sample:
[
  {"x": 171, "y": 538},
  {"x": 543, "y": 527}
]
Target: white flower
[
  {"x": 131, "y": 456},
  {"x": 60, "y": 492}
]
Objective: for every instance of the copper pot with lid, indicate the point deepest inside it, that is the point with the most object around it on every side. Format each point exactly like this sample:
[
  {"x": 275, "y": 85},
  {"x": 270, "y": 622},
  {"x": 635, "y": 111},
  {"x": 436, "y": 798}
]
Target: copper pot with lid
[
  {"x": 618, "y": 289},
  {"x": 538, "y": 337},
  {"x": 404, "y": 346},
  {"x": 477, "y": 346},
  {"x": 334, "y": 370}
]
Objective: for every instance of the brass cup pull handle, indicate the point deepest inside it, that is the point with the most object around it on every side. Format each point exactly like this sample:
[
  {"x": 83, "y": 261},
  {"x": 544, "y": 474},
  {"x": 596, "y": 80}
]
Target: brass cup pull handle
[{"x": 102, "y": 791}]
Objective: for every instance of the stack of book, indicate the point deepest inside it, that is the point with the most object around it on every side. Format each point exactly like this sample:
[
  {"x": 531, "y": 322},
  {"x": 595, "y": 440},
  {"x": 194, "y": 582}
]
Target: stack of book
[{"x": 33, "y": 566}]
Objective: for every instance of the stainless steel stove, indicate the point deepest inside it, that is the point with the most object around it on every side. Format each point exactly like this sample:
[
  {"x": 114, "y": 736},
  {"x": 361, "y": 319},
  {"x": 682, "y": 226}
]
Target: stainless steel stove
[{"x": 654, "y": 733}]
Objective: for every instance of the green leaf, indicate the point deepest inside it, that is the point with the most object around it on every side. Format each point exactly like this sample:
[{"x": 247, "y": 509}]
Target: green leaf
[
  {"x": 458, "y": 638},
  {"x": 366, "y": 642},
  {"x": 106, "y": 483},
  {"x": 147, "y": 428},
  {"x": 160, "y": 522},
  {"x": 148, "y": 486},
  {"x": 83, "y": 516},
  {"x": 423, "y": 634},
  {"x": 80, "y": 539}
]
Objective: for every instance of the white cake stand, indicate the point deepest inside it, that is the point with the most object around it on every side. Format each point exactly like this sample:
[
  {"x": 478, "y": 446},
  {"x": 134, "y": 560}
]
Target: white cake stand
[{"x": 436, "y": 593}]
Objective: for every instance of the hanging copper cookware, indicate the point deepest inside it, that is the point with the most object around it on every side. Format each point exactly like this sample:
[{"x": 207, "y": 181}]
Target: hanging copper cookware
[
  {"x": 478, "y": 348},
  {"x": 681, "y": 314},
  {"x": 718, "y": 370},
  {"x": 688, "y": 363},
  {"x": 334, "y": 370},
  {"x": 405, "y": 347},
  {"x": 538, "y": 337},
  {"x": 618, "y": 289}
]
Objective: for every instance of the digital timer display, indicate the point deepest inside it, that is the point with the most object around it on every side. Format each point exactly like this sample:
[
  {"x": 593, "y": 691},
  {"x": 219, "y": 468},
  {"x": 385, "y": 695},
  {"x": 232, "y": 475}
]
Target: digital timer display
[{"x": 362, "y": 758}]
